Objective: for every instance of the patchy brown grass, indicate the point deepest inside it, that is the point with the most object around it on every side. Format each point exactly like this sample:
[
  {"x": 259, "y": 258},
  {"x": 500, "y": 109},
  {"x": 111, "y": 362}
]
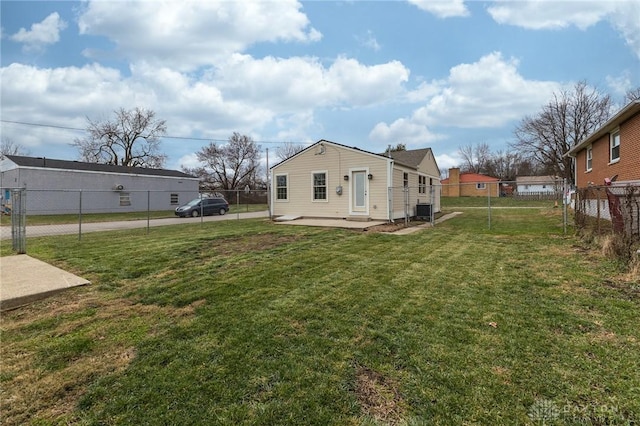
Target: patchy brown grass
[
  {"x": 379, "y": 396},
  {"x": 29, "y": 389}
]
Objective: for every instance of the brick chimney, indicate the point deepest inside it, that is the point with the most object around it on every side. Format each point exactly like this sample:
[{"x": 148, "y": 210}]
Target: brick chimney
[{"x": 454, "y": 182}]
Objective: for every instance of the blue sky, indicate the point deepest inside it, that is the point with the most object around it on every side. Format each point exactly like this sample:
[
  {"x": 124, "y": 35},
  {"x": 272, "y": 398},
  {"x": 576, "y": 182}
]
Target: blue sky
[{"x": 439, "y": 74}]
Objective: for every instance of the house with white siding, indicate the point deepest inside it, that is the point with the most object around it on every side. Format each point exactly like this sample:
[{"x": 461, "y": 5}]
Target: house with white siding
[{"x": 331, "y": 180}]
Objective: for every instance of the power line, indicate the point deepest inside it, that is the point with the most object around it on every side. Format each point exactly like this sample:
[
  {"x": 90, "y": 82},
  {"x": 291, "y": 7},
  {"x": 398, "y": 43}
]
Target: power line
[{"x": 53, "y": 126}]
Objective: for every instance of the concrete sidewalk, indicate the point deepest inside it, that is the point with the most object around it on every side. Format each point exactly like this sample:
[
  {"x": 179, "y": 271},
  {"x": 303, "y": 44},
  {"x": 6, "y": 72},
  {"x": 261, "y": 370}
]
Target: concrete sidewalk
[{"x": 24, "y": 279}]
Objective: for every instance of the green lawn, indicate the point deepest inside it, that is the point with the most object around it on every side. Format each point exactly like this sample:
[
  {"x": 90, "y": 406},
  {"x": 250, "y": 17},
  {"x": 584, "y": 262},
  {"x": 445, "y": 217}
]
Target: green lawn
[
  {"x": 461, "y": 202},
  {"x": 247, "y": 322}
]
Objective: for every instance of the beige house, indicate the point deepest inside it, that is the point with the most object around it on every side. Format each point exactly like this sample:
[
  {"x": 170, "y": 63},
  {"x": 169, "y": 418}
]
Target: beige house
[{"x": 330, "y": 180}]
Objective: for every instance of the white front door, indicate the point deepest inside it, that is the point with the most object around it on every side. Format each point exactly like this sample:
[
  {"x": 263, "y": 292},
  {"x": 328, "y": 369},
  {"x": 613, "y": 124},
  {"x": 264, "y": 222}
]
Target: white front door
[{"x": 359, "y": 200}]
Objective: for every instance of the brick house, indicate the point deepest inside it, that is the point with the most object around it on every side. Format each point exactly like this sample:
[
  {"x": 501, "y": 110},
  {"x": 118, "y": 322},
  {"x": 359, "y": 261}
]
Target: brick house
[
  {"x": 611, "y": 152},
  {"x": 469, "y": 185}
]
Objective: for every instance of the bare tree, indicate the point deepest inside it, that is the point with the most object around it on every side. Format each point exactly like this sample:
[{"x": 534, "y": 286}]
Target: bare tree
[
  {"x": 503, "y": 165},
  {"x": 288, "y": 149},
  {"x": 229, "y": 166},
  {"x": 132, "y": 138},
  {"x": 475, "y": 157},
  {"x": 566, "y": 120},
  {"x": 632, "y": 95},
  {"x": 9, "y": 147}
]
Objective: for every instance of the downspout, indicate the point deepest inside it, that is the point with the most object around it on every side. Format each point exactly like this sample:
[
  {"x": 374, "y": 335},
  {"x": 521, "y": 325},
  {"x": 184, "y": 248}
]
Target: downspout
[{"x": 390, "y": 191}]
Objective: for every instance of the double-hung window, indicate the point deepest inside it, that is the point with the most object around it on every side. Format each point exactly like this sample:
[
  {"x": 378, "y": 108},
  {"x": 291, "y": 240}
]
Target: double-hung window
[
  {"x": 589, "y": 162},
  {"x": 614, "y": 146},
  {"x": 281, "y": 188},
  {"x": 422, "y": 184},
  {"x": 319, "y": 186}
]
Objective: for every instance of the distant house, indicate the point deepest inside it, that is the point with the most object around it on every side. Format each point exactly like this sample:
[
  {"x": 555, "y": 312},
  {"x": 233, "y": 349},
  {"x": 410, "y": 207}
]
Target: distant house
[
  {"x": 331, "y": 180},
  {"x": 538, "y": 185},
  {"x": 469, "y": 185},
  {"x": 611, "y": 152},
  {"x": 61, "y": 186}
]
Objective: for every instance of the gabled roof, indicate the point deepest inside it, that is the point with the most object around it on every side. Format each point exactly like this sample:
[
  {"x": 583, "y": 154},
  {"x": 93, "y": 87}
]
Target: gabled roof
[
  {"x": 411, "y": 158},
  {"x": 623, "y": 115},
  {"x": 49, "y": 163},
  {"x": 323, "y": 141}
]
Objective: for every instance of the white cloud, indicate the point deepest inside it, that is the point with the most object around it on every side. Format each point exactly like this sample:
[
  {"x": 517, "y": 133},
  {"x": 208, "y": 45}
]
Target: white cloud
[
  {"x": 442, "y": 8},
  {"x": 303, "y": 82},
  {"x": 402, "y": 130},
  {"x": 446, "y": 161},
  {"x": 188, "y": 34},
  {"x": 369, "y": 41},
  {"x": 487, "y": 93},
  {"x": 243, "y": 94},
  {"x": 42, "y": 33},
  {"x": 190, "y": 160},
  {"x": 620, "y": 84},
  {"x": 624, "y": 15}
]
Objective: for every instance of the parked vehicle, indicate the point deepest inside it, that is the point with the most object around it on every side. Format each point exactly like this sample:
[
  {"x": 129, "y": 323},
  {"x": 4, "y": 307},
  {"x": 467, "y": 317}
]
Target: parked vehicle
[{"x": 203, "y": 206}]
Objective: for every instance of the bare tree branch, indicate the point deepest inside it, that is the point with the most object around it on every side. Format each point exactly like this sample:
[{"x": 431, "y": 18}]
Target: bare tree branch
[
  {"x": 9, "y": 147},
  {"x": 132, "y": 138},
  {"x": 566, "y": 120},
  {"x": 288, "y": 149},
  {"x": 230, "y": 166}
]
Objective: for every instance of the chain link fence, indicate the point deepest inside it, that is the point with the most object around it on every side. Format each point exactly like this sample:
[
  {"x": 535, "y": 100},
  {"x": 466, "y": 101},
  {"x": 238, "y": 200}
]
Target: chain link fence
[
  {"x": 493, "y": 202},
  {"x": 613, "y": 210},
  {"x": 54, "y": 212}
]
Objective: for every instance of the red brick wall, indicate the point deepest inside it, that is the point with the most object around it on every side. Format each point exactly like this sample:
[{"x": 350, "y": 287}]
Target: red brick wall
[{"x": 628, "y": 168}]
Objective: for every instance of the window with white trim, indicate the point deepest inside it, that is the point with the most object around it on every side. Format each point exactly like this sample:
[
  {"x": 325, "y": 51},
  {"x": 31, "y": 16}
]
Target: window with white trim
[
  {"x": 614, "y": 146},
  {"x": 589, "y": 162},
  {"x": 481, "y": 185},
  {"x": 422, "y": 184},
  {"x": 282, "y": 193},
  {"x": 319, "y": 186},
  {"x": 405, "y": 179}
]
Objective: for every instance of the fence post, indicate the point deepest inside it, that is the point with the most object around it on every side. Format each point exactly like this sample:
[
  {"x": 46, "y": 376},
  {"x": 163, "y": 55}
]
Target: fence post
[
  {"x": 19, "y": 220},
  {"x": 432, "y": 201},
  {"x": 489, "y": 203},
  {"x": 238, "y": 204},
  {"x": 148, "y": 210},
  {"x": 564, "y": 206},
  {"x": 80, "y": 216}
]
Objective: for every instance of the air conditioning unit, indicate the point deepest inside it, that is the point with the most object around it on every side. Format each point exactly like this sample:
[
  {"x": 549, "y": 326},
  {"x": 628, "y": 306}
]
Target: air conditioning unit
[{"x": 118, "y": 187}]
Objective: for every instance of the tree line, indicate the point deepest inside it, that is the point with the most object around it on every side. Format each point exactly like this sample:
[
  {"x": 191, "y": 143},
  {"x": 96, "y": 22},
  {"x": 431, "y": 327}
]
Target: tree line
[{"x": 132, "y": 138}]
